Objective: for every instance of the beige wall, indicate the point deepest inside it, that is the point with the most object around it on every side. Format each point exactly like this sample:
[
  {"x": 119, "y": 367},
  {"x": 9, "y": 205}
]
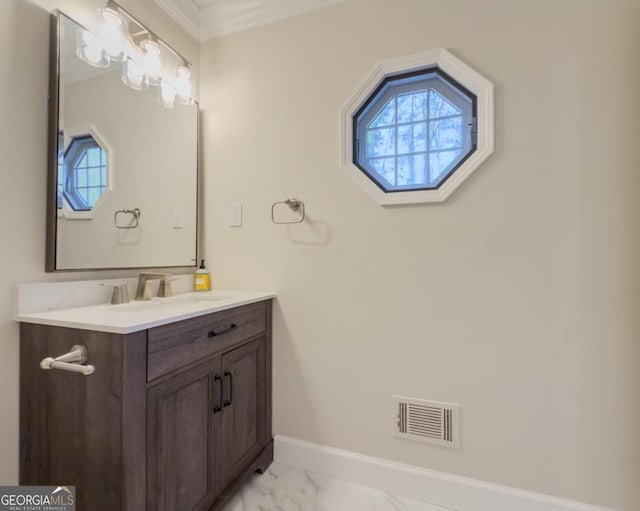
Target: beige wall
[
  {"x": 23, "y": 146},
  {"x": 517, "y": 298},
  {"x": 24, "y": 41}
]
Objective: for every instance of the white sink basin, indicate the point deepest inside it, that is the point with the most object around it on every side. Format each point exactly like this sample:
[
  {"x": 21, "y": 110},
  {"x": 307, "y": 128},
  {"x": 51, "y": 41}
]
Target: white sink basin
[
  {"x": 141, "y": 306},
  {"x": 171, "y": 302},
  {"x": 206, "y": 298}
]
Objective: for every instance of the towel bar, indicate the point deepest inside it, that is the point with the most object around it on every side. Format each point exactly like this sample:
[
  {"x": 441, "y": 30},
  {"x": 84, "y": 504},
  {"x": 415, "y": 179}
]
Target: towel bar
[{"x": 71, "y": 361}]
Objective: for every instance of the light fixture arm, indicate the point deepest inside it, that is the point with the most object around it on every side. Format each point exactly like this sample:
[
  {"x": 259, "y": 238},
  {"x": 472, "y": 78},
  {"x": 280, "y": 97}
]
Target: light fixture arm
[{"x": 143, "y": 30}]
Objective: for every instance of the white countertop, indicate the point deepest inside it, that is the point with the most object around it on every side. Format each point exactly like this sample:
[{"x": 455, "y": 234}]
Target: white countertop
[{"x": 140, "y": 315}]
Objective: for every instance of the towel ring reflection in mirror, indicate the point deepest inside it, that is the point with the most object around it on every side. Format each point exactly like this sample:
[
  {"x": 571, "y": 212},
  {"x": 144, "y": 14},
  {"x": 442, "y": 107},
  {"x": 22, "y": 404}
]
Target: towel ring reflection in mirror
[{"x": 133, "y": 222}]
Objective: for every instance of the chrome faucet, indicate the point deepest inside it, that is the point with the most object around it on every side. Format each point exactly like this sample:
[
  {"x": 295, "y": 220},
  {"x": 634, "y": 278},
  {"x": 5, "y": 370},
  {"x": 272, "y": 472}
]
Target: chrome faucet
[{"x": 143, "y": 291}]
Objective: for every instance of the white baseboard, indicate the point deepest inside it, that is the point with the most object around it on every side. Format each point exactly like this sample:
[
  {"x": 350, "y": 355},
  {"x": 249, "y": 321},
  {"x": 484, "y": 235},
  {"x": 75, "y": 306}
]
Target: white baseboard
[{"x": 438, "y": 488}]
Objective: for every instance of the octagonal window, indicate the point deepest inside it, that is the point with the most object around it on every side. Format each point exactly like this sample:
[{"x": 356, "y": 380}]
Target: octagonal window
[
  {"x": 85, "y": 173},
  {"x": 414, "y": 131},
  {"x": 417, "y": 128}
]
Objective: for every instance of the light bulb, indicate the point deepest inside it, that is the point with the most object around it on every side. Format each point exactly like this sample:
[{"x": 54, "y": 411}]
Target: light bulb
[
  {"x": 90, "y": 49},
  {"x": 183, "y": 86},
  {"x": 167, "y": 94},
  {"x": 111, "y": 32},
  {"x": 152, "y": 61},
  {"x": 93, "y": 55},
  {"x": 134, "y": 76},
  {"x": 90, "y": 39}
]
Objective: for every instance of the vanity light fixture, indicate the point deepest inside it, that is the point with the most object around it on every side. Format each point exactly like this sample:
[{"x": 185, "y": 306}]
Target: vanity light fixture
[
  {"x": 167, "y": 94},
  {"x": 111, "y": 32},
  {"x": 152, "y": 61},
  {"x": 90, "y": 49},
  {"x": 183, "y": 85},
  {"x": 147, "y": 59},
  {"x": 133, "y": 75}
]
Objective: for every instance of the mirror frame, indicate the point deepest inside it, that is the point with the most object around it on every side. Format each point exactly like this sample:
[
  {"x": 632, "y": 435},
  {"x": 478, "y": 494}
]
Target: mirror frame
[{"x": 52, "y": 161}]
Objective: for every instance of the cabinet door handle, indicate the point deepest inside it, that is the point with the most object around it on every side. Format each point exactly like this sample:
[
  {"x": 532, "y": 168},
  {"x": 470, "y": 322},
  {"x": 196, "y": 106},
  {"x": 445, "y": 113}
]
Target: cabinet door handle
[
  {"x": 213, "y": 333},
  {"x": 227, "y": 402},
  {"x": 218, "y": 406}
]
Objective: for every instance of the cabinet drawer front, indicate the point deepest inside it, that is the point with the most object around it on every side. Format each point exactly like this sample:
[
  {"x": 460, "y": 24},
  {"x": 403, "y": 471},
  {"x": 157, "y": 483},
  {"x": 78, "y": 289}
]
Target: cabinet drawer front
[{"x": 171, "y": 347}]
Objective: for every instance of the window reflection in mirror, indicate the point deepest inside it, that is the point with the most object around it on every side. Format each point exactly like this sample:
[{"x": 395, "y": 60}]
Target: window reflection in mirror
[{"x": 85, "y": 173}]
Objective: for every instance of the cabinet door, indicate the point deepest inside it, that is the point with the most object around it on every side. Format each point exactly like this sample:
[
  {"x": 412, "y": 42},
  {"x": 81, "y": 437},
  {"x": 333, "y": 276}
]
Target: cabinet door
[
  {"x": 180, "y": 428},
  {"x": 243, "y": 431}
]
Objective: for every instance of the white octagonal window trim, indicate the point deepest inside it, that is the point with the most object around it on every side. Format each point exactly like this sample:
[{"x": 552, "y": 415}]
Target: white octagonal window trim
[{"x": 433, "y": 61}]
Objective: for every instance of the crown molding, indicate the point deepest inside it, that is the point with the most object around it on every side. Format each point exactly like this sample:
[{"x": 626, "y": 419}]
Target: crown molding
[
  {"x": 206, "y": 20},
  {"x": 181, "y": 18}
]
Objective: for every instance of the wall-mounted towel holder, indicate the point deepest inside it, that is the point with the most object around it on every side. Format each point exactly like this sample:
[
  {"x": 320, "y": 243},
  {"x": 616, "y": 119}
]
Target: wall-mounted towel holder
[
  {"x": 294, "y": 205},
  {"x": 133, "y": 223},
  {"x": 72, "y": 361}
]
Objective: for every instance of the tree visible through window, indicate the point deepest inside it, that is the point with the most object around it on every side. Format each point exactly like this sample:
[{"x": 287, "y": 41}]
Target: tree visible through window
[
  {"x": 414, "y": 131},
  {"x": 85, "y": 170}
]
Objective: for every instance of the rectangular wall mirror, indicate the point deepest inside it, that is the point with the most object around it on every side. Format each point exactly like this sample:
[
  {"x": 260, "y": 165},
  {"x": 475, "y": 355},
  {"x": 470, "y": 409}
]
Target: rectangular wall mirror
[{"x": 123, "y": 168}]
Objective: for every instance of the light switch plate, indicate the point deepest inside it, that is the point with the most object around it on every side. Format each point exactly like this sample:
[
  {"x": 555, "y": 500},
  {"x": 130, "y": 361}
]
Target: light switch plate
[
  {"x": 178, "y": 218},
  {"x": 235, "y": 215}
]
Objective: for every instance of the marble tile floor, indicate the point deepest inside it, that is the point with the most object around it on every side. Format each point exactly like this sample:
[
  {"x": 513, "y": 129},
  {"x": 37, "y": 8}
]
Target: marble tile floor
[{"x": 283, "y": 488}]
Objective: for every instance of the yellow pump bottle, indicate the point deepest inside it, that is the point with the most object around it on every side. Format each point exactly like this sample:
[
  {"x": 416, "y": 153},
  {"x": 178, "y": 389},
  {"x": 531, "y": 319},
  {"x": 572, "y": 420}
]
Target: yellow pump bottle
[{"x": 202, "y": 280}]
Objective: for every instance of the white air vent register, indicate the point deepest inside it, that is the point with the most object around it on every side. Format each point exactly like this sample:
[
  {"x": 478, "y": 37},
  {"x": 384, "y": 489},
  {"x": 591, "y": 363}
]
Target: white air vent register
[{"x": 426, "y": 421}]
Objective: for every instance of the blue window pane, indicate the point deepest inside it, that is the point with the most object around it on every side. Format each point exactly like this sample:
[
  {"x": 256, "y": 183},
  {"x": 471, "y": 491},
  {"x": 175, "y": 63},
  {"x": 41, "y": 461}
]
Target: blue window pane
[
  {"x": 81, "y": 178},
  {"x": 60, "y": 190},
  {"x": 385, "y": 168},
  {"x": 95, "y": 177},
  {"x": 445, "y": 133},
  {"x": 381, "y": 142},
  {"x": 83, "y": 194},
  {"x": 412, "y": 107},
  {"x": 93, "y": 196},
  {"x": 412, "y": 170},
  {"x": 440, "y": 107},
  {"x": 440, "y": 163},
  {"x": 420, "y": 136},
  {"x": 386, "y": 117},
  {"x": 60, "y": 176},
  {"x": 412, "y": 138},
  {"x": 420, "y": 106},
  {"x": 94, "y": 157},
  {"x": 82, "y": 161},
  {"x": 405, "y": 139},
  {"x": 405, "y": 108}
]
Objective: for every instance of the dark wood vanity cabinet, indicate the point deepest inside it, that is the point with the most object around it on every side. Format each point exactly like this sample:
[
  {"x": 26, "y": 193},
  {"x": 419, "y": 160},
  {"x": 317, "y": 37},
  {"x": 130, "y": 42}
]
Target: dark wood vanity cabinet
[
  {"x": 175, "y": 418},
  {"x": 204, "y": 426}
]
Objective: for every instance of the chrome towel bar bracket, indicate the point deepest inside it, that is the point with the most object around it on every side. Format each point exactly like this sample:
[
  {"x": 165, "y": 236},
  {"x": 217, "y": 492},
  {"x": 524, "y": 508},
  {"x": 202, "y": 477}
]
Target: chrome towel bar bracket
[
  {"x": 72, "y": 361},
  {"x": 294, "y": 205}
]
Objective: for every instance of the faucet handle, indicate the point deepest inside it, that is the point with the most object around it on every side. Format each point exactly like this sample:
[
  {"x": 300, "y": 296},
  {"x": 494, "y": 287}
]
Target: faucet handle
[
  {"x": 165, "y": 290},
  {"x": 147, "y": 291},
  {"x": 120, "y": 293}
]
